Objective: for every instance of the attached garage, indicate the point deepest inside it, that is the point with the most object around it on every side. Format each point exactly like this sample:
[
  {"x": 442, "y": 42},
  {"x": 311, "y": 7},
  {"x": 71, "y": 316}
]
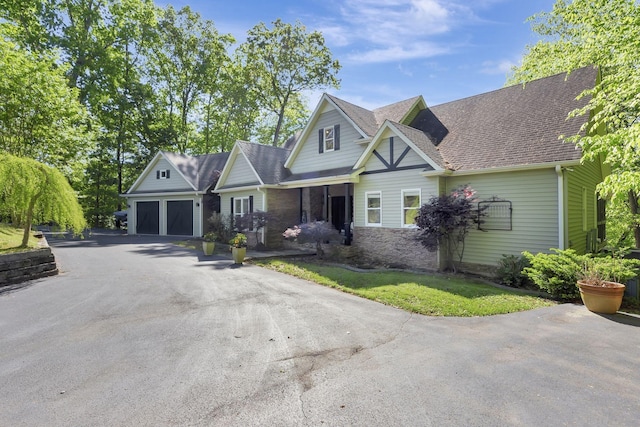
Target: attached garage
[{"x": 169, "y": 197}]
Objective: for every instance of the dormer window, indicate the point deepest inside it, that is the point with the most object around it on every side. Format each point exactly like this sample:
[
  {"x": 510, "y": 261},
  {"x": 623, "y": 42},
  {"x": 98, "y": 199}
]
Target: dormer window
[
  {"x": 329, "y": 139},
  {"x": 163, "y": 174}
]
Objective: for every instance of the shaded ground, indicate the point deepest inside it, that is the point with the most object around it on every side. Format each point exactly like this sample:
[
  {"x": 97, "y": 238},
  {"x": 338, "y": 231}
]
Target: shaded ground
[{"x": 138, "y": 331}]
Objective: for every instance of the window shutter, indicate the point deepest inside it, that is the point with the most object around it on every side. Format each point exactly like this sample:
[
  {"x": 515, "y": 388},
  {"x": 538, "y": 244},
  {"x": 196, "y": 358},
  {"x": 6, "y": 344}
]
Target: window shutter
[
  {"x": 232, "y": 212},
  {"x": 321, "y": 141},
  {"x": 251, "y": 211},
  {"x": 168, "y": 173},
  {"x": 336, "y": 137},
  {"x": 158, "y": 174}
]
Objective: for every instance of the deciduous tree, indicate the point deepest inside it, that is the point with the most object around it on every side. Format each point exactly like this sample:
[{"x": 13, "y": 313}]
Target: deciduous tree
[
  {"x": 283, "y": 61},
  {"x": 32, "y": 191},
  {"x": 602, "y": 33}
]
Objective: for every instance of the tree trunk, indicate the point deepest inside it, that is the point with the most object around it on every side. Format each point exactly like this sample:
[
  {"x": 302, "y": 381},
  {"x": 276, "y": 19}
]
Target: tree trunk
[{"x": 633, "y": 204}]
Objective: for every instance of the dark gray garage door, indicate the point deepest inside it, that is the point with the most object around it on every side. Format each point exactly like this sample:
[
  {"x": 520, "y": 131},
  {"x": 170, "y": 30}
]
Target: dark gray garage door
[
  {"x": 148, "y": 217},
  {"x": 180, "y": 218}
]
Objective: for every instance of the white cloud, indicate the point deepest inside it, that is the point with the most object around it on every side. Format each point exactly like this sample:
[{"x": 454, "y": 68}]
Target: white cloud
[
  {"x": 502, "y": 66},
  {"x": 393, "y": 30}
]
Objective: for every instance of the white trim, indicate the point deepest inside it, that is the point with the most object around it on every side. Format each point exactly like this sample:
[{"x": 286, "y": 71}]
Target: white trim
[
  {"x": 231, "y": 161},
  {"x": 324, "y": 139},
  {"x": 164, "y": 194},
  {"x": 501, "y": 169},
  {"x": 379, "y": 137},
  {"x": 311, "y": 123},
  {"x": 145, "y": 171},
  {"x": 403, "y": 208},
  {"x": 366, "y": 209},
  {"x": 353, "y": 177},
  {"x": 561, "y": 207}
]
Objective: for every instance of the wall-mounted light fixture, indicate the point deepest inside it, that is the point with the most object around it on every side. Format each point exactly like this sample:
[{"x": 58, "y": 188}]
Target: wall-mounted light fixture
[{"x": 197, "y": 204}]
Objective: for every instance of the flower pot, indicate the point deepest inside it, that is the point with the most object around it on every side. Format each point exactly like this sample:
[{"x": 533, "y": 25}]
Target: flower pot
[
  {"x": 602, "y": 299},
  {"x": 238, "y": 254},
  {"x": 208, "y": 247}
]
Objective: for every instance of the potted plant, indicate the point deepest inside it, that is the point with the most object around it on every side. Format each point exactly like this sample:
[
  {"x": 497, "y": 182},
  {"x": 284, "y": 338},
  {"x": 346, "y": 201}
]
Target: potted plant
[
  {"x": 599, "y": 283},
  {"x": 208, "y": 243},
  {"x": 238, "y": 247}
]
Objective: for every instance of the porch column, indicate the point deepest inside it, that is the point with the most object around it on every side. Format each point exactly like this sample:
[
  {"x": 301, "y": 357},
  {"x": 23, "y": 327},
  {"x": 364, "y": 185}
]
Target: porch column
[
  {"x": 347, "y": 214},
  {"x": 301, "y": 209}
]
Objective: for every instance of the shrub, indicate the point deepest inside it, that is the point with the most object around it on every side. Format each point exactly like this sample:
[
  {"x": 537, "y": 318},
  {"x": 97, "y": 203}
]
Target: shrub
[
  {"x": 556, "y": 273},
  {"x": 559, "y": 272},
  {"x": 313, "y": 232},
  {"x": 444, "y": 222},
  {"x": 510, "y": 271},
  {"x": 221, "y": 225}
]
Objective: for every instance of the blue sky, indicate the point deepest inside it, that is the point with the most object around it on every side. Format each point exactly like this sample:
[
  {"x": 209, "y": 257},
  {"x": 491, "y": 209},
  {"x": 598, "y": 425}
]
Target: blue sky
[{"x": 391, "y": 50}]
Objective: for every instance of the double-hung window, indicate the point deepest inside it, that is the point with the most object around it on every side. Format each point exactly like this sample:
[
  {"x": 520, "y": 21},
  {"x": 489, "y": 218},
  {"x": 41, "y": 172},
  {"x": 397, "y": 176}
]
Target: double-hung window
[
  {"x": 373, "y": 210},
  {"x": 240, "y": 206},
  {"x": 329, "y": 139},
  {"x": 411, "y": 202}
]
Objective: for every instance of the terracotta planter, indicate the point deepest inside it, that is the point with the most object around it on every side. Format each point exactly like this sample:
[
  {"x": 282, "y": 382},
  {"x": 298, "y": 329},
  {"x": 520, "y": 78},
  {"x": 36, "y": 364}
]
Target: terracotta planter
[
  {"x": 602, "y": 299},
  {"x": 208, "y": 247},
  {"x": 238, "y": 254}
]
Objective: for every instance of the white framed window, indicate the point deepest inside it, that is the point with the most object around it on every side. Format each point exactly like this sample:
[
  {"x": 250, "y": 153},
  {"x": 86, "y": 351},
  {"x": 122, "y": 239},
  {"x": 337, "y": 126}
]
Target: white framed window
[
  {"x": 373, "y": 208},
  {"x": 329, "y": 139},
  {"x": 240, "y": 206},
  {"x": 163, "y": 174},
  {"x": 411, "y": 202}
]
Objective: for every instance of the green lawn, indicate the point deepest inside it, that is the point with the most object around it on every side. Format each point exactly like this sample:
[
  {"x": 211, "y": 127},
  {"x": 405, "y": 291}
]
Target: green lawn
[
  {"x": 10, "y": 239},
  {"x": 432, "y": 295}
]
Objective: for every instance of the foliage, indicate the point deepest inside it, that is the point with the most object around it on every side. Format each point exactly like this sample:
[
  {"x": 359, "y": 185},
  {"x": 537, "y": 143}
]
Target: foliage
[
  {"x": 239, "y": 241},
  {"x": 283, "y": 61},
  {"x": 313, "y": 232},
  {"x": 210, "y": 237},
  {"x": 31, "y": 191},
  {"x": 510, "y": 271},
  {"x": 602, "y": 33},
  {"x": 221, "y": 225},
  {"x": 444, "y": 222},
  {"x": 598, "y": 270},
  {"x": 40, "y": 117},
  {"x": 419, "y": 293},
  {"x": 558, "y": 272}
]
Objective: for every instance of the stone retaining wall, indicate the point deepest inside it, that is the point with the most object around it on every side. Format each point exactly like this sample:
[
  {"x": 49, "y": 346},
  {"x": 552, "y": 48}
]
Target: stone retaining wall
[{"x": 23, "y": 266}]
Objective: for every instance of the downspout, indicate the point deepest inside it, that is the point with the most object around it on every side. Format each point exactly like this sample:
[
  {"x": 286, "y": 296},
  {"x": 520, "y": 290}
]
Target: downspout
[
  {"x": 561, "y": 207},
  {"x": 264, "y": 201}
]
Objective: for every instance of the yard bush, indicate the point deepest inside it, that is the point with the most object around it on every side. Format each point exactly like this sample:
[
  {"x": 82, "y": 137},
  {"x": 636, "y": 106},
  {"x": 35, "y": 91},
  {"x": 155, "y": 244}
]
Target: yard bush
[
  {"x": 558, "y": 273},
  {"x": 510, "y": 271}
]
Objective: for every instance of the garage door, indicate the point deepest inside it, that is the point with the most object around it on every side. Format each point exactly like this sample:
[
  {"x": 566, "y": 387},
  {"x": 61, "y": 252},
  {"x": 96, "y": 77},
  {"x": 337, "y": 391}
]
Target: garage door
[
  {"x": 180, "y": 218},
  {"x": 147, "y": 217}
]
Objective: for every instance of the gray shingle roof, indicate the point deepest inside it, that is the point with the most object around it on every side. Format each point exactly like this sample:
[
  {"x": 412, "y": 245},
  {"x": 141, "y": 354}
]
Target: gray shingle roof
[
  {"x": 423, "y": 142},
  {"x": 268, "y": 161},
  {"x": 369, "y": 121},
  {"x": 512, "y": 126},
  {"x": 200, "y": 171}
]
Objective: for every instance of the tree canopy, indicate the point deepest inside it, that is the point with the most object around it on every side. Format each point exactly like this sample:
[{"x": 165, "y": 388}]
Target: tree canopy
[
  {"x": 602, "y": 33},
  {"x": 145, "y": 78},
  {"x": 31, "y": 191},
  {"x": 283, "y": 61}
]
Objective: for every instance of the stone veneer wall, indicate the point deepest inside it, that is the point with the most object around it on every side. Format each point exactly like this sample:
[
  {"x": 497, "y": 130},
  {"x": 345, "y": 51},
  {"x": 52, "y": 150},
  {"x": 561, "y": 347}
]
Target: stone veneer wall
[
  {"x": 284, "y": 205},
  {"x": 393, "y": 247},
  {"x": 23, "y": 266}
]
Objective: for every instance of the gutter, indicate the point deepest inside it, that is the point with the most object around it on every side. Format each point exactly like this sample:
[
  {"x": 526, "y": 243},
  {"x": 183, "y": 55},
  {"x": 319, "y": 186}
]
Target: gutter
[{"x": 516, "y": 168}]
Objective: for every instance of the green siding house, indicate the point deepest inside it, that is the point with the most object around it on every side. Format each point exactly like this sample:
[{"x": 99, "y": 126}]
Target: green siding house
[{"x": 366, "y": 171}]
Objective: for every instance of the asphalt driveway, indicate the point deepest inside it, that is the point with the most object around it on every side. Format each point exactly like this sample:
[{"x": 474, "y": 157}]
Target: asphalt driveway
[{"x": 141, "y": 332}]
